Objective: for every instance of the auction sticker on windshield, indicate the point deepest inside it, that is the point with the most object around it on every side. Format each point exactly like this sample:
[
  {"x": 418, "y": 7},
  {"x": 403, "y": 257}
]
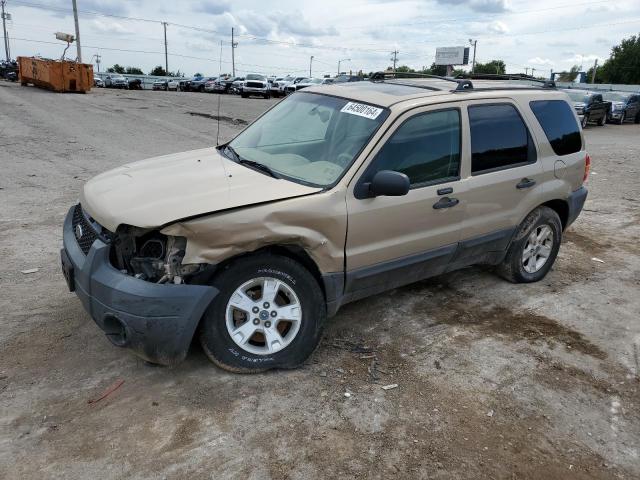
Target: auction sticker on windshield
[{"x": 362, "y": 110}]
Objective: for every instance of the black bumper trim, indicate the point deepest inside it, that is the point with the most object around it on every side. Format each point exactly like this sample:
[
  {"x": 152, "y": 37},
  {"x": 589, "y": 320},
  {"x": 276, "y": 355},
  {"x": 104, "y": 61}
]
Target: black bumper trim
[
  {"x": 576, "y": 202},
  {"x": 159, "y": 320}
]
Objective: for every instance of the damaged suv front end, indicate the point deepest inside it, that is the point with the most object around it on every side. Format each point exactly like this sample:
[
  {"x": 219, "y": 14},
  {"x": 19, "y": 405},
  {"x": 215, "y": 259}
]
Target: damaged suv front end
[{"x": 134, "y": 286}]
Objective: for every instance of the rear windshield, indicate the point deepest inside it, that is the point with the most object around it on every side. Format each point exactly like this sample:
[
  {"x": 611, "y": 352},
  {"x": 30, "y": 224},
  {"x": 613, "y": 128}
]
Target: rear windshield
[{"x": 559, "y": 123}]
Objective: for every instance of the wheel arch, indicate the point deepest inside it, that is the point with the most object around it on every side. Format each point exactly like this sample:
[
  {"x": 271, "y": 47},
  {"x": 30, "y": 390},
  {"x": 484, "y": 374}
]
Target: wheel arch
[{"x": 561, "y": 207}]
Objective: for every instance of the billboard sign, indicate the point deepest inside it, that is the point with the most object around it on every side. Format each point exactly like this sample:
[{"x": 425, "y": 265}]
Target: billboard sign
[{"x": 452, "y": 56}]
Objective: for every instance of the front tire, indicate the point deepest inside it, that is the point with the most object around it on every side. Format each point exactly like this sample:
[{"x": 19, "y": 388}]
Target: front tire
[
  {"x": 534, "y": 247},
  {"x": 622, "y": 118},
  {"x": 602, "y": 121},
  {"x": 269, "y": 313},
  {"x": 585, "y": 120}
]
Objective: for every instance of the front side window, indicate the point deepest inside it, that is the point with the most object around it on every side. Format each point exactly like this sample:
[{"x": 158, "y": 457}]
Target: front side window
[
  {"x": 310, "y": 138},
  {"x": 499, "y": 138},
  {"x": 426, "y": 148},
  {"x": 558, "y": 121}
]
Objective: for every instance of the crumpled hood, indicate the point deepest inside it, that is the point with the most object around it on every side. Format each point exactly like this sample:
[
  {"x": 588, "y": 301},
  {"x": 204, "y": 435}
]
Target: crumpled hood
[{"x": 157, "y": 191}]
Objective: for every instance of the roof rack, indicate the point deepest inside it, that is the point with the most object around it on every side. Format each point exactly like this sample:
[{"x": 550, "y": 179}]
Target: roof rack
[
  {"x": 461, "y": 84},
  {"x": 505, "y": 76}
]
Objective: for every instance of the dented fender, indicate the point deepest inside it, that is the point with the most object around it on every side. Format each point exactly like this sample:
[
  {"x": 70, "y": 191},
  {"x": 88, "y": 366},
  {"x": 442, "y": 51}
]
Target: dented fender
[{"x": 317, "y": 223}]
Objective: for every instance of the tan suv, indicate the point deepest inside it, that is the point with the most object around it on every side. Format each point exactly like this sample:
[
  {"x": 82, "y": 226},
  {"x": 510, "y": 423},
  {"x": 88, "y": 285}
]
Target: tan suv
[{"x": 334, "y": 194}]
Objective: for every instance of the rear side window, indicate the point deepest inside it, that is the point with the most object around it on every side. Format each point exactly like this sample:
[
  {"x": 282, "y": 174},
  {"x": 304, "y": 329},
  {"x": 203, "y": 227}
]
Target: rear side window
[
  {"x": 559, "y": 124},
  {"x": 426, "y": 148},
  {"x": 499, "y": 138}
]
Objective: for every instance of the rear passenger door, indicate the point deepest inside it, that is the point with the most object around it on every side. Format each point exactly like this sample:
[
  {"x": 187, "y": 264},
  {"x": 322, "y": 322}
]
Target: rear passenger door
[{"x": 503, "y": 178}]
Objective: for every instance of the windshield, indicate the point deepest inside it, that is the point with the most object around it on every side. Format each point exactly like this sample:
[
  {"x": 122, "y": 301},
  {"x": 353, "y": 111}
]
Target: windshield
[
  {"x": 578, "y": 96},
  {"x": 309, "y": 138},
  {"x": 616, "y": 96},
  {"x": 252, "y": 76}
]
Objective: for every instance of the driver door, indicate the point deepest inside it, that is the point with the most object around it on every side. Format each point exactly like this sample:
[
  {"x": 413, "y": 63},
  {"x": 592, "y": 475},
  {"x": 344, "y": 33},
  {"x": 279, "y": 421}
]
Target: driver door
[{"x": 393, "y": 241}]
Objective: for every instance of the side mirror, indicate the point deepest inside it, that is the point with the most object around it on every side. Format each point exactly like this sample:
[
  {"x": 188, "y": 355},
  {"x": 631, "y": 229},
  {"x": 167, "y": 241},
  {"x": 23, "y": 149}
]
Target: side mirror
[{"x": 389, "y": 183}]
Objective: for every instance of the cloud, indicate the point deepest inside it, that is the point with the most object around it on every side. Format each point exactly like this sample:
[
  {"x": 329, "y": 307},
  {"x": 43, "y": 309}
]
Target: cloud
[
  {"x": 213, "y": 7},
  {"x": 106, "y": 26},
  {"x": 540, "y": 61},
  {"x": 109, "y": 8},
  {"x": 484, "y": 6},
  {"x": 562, "y": 44},
  {"x": 498, "y": 27},
  {"x": 295, "y": 24}
]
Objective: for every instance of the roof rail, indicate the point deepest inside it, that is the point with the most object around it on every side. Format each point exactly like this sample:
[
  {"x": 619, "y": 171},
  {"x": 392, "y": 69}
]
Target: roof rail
[
  {"x": 461, "y": 84},
  {"x": 505, "y": 76}
]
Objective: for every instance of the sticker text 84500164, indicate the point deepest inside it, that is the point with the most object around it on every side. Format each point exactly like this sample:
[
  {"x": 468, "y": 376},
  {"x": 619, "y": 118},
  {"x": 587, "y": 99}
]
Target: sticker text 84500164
[{"x": 362, "y": 110}]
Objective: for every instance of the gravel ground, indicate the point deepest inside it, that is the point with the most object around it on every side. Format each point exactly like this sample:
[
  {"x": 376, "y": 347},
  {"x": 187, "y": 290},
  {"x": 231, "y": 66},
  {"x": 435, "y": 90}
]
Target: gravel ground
[{"x": 494, "y": 380}]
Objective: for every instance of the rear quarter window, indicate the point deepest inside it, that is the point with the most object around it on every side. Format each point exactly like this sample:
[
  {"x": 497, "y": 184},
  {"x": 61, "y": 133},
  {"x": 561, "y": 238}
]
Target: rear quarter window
[{"x": 559, "y": 124}]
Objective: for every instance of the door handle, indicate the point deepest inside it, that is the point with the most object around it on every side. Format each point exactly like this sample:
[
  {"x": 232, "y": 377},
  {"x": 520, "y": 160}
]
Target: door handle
[
  {"x": 445, "y": 191},
  {"x": 446, "y": 202},
  {"x": 525, "y": 183}
]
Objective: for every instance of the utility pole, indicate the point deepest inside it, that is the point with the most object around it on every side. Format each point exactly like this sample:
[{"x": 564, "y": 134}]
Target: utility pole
[
  {"x": 526, "y": 70},
  {"x": 394, "y": 59},
  {"x": 75, "y": 18},
  {"x": 310, "y": 65},
  {"x": 220, "y": 68},
  {"x": 340, "y": 61},
  {"x": 5, "y": 17},
  {"x": 166, "y": 55},
  {"x": 474, "y": 43},
  {"x": 98, "y": 57},
  {"x": 595, "y": 69},
  {"x": 233, "y": 52},
  {"x": 532, "y": 70}
]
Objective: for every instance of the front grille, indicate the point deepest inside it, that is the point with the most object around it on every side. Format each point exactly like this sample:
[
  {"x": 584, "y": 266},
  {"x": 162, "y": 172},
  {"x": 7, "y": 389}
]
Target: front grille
[
  {"x": 84, "y": 232},
  {"x": 255, "y": 85}
]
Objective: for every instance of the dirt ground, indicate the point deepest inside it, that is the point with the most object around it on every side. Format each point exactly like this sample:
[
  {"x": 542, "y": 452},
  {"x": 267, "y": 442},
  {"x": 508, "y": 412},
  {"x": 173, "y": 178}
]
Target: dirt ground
[{"x": 495, "y": 380}]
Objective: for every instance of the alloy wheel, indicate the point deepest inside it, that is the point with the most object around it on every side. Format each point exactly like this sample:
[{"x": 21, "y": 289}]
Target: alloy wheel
[
  {"x": 263, "y": 316},
  {"x": 537, "y": 249}
]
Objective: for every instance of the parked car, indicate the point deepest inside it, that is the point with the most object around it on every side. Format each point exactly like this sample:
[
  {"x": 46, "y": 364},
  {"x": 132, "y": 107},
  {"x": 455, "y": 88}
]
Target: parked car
[
  {"x": 115, "y": 80},
  {"x": 197, "y": 85},
  {"x": 236, "y": 85},
  {"x": 97, "y": 82},
  {"x": 589, "y": 106},
  {"x": 160, "y": 85},
  {"x": 304, "y": 83},
  {"x": 255, "y": 84},
  {"x": 174, "y": 84},
  {"x": 9, "y": 70},
  {"x": 134, "y": 84},
  {"x": 210, "y": 86},
  {"x": 222, "y": 84},
  {"x": 624, "y": 106},
  {"x": 346, "y": 78},
  {"x": 250, "y": 247}
]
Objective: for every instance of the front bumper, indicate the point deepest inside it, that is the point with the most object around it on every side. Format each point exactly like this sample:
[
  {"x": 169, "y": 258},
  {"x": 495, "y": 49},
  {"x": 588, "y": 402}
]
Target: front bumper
[
  {"x": 155, "y": 321},
  {"x": 261, "y": 91},
  {"x": 576, "y": 202}
]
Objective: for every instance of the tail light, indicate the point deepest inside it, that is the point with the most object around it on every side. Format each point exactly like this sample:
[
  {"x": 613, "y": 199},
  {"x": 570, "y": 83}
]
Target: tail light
[{"x": 587, "y": 168}]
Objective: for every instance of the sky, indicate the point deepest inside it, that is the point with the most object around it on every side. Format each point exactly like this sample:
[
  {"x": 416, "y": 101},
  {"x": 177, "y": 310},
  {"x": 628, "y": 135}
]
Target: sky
[{"x": 279, "y": 37}]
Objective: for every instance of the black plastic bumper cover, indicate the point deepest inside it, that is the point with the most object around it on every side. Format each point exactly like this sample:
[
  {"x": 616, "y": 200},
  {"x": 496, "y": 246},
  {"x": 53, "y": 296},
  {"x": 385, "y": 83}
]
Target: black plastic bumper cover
[
  {"x": 576, "y": 202},
  {"x": 157, "y": 321}
]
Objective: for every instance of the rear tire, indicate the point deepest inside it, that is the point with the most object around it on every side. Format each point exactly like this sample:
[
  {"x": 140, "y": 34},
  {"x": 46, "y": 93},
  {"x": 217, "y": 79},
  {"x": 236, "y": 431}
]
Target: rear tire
[
  {"x": 637, "y": 119},
  {"x": 244, "y": 353},
  {"x": 524, "y": 260}
]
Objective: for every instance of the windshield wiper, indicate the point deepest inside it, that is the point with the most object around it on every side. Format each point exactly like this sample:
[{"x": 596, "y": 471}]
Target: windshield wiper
[
  {"x": 250, "y": 163},
  {"x": 258, "y": 166}
]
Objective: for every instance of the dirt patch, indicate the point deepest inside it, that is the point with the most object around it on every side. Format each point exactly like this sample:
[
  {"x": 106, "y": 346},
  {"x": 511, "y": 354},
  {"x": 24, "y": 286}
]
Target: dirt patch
[
  {"x": 586, "y": 243},
  {"x": 222, "y": 118},
  {"x": 506, "y": 323}
]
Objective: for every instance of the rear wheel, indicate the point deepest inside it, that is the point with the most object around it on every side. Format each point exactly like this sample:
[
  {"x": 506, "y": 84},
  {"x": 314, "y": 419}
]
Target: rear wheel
[
  {"x": 585, "y": 120},
  {"x": 269, "y": 314},
  {"x": 534, "y": 247},
  {"x": 637, "y": 119}
]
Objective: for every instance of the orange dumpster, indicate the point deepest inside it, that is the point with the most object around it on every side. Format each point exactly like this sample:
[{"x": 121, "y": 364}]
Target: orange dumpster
[{"x": 56, "y": 75}]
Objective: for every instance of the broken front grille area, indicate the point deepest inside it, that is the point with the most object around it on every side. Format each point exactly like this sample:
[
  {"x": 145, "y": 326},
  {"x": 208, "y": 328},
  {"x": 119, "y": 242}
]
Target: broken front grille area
[{"x": 84, "y": 232}]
